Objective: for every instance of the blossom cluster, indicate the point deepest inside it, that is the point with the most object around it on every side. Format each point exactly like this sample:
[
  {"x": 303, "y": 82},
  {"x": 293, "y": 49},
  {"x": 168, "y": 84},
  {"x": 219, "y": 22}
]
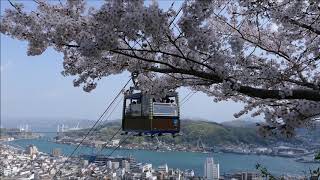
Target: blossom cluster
[{"x": 265, "y": 54}]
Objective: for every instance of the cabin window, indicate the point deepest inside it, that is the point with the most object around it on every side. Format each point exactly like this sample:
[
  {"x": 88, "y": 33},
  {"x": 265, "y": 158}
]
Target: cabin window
[
  {"x": 133, "y": 107},
  {"x": 166, "y": 107}
]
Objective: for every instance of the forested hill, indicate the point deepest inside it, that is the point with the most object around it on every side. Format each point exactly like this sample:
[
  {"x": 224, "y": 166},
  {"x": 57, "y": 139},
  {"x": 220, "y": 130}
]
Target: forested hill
[{"x": 211, "y": 134}]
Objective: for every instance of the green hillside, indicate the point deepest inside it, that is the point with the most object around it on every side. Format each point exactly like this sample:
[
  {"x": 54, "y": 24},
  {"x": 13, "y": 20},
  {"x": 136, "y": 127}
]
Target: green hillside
[
  {"x": 216, "y": 134},
  {"x": 210, "y": 133}
]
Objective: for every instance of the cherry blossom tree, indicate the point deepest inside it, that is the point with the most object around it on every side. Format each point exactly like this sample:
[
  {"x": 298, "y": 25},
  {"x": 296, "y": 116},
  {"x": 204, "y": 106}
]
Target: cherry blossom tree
[{"x": 265, "y": 54}]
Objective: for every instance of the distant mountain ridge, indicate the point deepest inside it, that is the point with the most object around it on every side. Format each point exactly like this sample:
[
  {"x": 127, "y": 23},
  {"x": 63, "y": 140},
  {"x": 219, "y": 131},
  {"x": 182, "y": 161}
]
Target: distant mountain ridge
[
  {"x": 240, "y": 123},
  {"x": 211, "y": 133}
]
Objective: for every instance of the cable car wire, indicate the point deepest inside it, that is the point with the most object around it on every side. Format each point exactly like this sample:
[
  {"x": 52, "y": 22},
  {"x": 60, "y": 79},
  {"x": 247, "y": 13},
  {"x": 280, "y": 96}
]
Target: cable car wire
[
  {"x": 186, "y": 98},
  {"x": 102, "y": 148},
  {"x": 91, "y": 129},
  {"x": 106, "y": 119},
  {"x": 99, "y": 153},
  {"x": 121, "y": 142}
]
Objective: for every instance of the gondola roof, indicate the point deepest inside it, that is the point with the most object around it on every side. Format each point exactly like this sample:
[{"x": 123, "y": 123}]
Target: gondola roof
[
  {"x": 134, "y": 95},
  {"x": 139, "y": 94}
]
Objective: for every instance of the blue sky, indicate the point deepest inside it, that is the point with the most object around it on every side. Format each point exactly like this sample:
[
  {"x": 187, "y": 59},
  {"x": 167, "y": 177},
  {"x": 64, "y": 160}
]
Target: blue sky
[{"x": 32, "y": 86}]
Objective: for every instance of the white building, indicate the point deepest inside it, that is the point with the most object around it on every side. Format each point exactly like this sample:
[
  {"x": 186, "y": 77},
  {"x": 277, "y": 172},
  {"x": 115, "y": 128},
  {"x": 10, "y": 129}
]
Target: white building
[
  {"x": 145, "y": 167},
  {"x": 115, "y": 142},
  {"x": 120, "y": 172},
  {"x": 126, "y": 165},
  {"x": 31, "y": 149},
  {"x": 146, "y": 175},
  {"x": 188, "y": 173},
  {"x": 163, "y": 168},
  {"x": 211, "y": 169},
  {"x": 115, "y": 165},
  {"x": 109, "y": 164}
]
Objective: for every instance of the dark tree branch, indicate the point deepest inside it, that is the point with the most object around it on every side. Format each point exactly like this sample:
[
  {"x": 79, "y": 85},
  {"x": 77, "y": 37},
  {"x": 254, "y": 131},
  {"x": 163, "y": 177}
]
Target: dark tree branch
[
  {"x": 15, "y": 7},
  {"x": 169, "y": 54},
  {"x": 279, "y": 53},
  {"x": 305, "y": 26},
  {"x": 311, "y": 95}
]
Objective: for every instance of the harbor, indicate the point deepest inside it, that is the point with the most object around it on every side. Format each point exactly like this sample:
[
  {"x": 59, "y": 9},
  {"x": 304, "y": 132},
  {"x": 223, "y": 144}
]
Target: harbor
[{"x": 229, "y": 162}]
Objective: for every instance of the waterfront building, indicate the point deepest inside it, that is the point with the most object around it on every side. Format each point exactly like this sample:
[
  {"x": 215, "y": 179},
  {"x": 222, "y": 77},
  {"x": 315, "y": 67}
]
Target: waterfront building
[
  {"x": 109, "y": 164},
  {"x": 115, "y": 142},
  {"x": 120, "y": 172},
  {"x": 146, "y": 175},
  {"x": 126, "y": 165},
  {"x": 188, "y": 173},
  {"x": 85, "y": 163},
  {"x": 211, "y": 169},
  {"x": 32, "y": 150},
  {"x": 146, "y": 167},
  {"x": 56, "y": 152},
  {"x": 163, "y": 168},
  {"x": 314, "y": 177},
  {"x": 289, "y": 151},
  {"x": 244, "y": 176},
  {"x": 141, "y": 167},
  {"x": 133, "y": 164},
  {"x": 174, "y": 174},
  {"x": 135, "y": 167},
  {"x": 115, "y": 165},
  {"x": 160, "y": 174}
]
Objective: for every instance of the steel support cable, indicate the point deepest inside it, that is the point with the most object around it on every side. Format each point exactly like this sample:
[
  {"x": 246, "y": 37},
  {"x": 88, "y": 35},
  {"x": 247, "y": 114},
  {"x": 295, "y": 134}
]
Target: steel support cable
[
  {"x": 185, "y": 99},
  {"x": 97, "y": 121},
  {"x": 106, "y": 119},
  {"x": 109, "y": 140},
  {"x": 97, "y": 154},
  {"x": 186, "y": 96},
  {"x": 121, "y": 142}
]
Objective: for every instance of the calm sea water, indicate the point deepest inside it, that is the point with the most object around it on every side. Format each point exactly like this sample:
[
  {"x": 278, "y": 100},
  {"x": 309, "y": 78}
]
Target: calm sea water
[{"x": 187, "y": 160}]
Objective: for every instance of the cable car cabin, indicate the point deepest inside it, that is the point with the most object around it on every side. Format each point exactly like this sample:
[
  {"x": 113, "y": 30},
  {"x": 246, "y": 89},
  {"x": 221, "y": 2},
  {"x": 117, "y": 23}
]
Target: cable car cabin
[{"x": 144, "y": 114}]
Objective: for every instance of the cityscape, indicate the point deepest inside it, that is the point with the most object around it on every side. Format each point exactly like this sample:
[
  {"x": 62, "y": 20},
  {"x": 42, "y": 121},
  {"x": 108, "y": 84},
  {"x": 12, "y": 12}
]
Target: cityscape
[
  {"x": 32, "y": 164},
  {"x": 54, "y": 164}
]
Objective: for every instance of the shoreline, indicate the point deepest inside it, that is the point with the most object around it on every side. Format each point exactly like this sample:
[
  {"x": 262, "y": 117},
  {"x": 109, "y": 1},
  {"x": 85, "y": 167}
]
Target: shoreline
[
  {"x": 178, "y": 160},
  {"x": 297, "y": 158}
]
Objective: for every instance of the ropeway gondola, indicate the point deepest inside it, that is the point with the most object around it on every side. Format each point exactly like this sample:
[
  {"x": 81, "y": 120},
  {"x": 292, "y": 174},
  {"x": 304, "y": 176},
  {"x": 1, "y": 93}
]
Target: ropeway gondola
[{"x": 146, "y": 114}]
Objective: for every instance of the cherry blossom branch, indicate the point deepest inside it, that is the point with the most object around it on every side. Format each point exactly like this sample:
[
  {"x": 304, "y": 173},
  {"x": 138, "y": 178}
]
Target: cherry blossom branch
[
  {"x": 15, "y": 7},
  {"x": 303, "y": 25}
]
